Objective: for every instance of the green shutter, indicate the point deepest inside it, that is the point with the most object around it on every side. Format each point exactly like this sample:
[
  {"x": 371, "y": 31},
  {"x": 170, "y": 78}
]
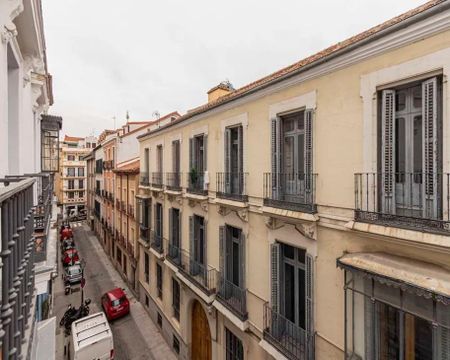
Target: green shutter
[
  {"x": 227, "y": 153},
  {"x": 275, "y": 253},
  {"x": 242, "y": 260},
  {"x": 308, "y": 151},
  {"x": 276, "y": 155}
]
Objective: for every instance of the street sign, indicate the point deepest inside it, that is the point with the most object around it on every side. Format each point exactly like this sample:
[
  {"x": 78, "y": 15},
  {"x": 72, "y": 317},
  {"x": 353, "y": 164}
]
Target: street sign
[{"x": 83, "y": 282}]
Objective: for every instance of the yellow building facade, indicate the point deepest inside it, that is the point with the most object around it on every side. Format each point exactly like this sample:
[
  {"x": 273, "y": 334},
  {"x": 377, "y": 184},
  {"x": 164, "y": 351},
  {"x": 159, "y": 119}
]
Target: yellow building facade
[{"x": 305, "y": 215}]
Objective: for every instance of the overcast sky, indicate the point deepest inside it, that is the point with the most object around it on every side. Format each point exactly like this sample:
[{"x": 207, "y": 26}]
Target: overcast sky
[{"x": 110, "y": 56}]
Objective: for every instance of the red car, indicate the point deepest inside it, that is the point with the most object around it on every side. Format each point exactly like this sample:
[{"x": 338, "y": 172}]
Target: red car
[
  {"x": 115, "y": 304},
  {"x": 66, "y": 233},
  {"x": 70, "y": 257}
]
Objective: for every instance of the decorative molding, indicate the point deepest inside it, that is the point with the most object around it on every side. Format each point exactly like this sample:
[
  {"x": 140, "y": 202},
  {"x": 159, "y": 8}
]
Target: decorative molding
[
  {"x": 204, "y": 205},
  {"x": 242, "y": 214},
  {"x": 192, "y": 203},
  {"x": 273, "y": 223},
  {"x": 159, "y": 195},
  {"x": 307, "y": 230},
  {"x": 8, "y": 34},
  {"x": 223, "y": 210}
]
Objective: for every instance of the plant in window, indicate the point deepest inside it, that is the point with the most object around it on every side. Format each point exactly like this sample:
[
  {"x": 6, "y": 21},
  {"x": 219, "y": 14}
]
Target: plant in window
[{"x": 193, "y": 176}]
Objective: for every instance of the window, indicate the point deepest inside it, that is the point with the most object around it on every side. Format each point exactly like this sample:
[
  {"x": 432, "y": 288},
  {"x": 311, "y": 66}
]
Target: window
[
  {"x": 176, "y": 156},
  {"x": 81, "y": 194},
  {"x": 197, "y": 244},
  {"x": 71, "y": 184},
  {"x": 80, "y": 184},
  {"x": 99, "y": 166},
  {"x": 174, "y": 233},
  {"x": 97, "y": 187},
  {"x": 88, "y": 145},
  {"x": 94, "y": 145},
  {"x": 71, "y": 195},
  {"x": 158, "y": 225},
  {"x": 176, "y": 344},
  {"x": 71, "y": 157},
  {"x": 147, "y": 268},
  {"x": 159, "y": 320},
  {"x": 159, "y": 159},
  {"x": 410, "y": 142},
  {"x": 49, "y": 145},
  {"x": 147, "y": 161},
  {"x": 232, "y": 247},
  {"x": 292, "y": 157},
  {"x": 80, "y": 171},
  {"x": 70, "y": 171},
  {"x": 119, "y": 256},
  {"x": 233, "y": 346},
  {"x": 234, "y": 177},
  {"x": 147, "y": 301},
  {"x": 197, "y": 161},
  {"x": 159, "y": 280},
  {"x": 176, "y": 299}
]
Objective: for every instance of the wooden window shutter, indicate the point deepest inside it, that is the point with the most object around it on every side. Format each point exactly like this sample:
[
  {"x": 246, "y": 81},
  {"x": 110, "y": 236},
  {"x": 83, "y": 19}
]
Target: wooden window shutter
[
  {"x": 222, "y": 238},
  {"x": 369, "y": 329},
  {"x": 205, "y": 243},
  {"x": 388, "y": 150},
  {"x": 309, "y": 294},
  {"x": 275, "y": 253},
  {"x": 205, "y": 152},
  {"x": 308, "y": 153},
  {"x": 191, "y": 236},
  {"x": 180, "y": 231},
  {"x": 276, "y": 155},
  {"x": 241, "y": 159},
  {"x": 429, "y": 111},
  {"x": 170, "y": 226},
  {"x": 242, "y": 260},
  {"x": 227, "y": 150},
  {"x": 191, "y": 154},
  {"x": 443, "y": 343}
]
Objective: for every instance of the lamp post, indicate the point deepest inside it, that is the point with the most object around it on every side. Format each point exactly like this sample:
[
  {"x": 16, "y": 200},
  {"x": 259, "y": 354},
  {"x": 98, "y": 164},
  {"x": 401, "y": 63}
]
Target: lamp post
[{"x": 83, "y": 281}]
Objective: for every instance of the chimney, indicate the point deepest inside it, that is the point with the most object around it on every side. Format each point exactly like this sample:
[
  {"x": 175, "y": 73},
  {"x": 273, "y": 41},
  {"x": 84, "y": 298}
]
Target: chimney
[{"x": 220, "y": 90}]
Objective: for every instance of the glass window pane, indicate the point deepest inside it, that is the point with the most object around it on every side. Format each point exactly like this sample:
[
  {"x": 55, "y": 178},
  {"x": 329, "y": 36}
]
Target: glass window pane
[
  {"x": 400, "y": 141},
  {"x": 400, "y": 100},
  {"x": 301, "y": 299},
  {"x": 388, "y": 324},
  {"x": 417, "y": 97},
  {"x": 417, "y": 146},
  {"x": 289, "y": 292}
]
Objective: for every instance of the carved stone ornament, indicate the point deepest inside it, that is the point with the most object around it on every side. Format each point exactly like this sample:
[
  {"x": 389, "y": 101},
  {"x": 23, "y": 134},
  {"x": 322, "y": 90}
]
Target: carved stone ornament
[
  {"x": 223, "y": 210},
  {"x": 170, "y": 197},
  {"x": 204, "y": 205},
  {"x": 175, "y": 198},
  {"x": 192, "y": 203},
  {"x": 158, "y": 195},
  {"x": 8, "y": 33},
  {"x": 273, "y": 223},
  {"x": 243, "y": 214},
  {"x": 307, "y": 230}
]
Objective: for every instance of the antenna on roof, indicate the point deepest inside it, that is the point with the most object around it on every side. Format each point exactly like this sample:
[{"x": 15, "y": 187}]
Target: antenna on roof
[
  {"x": 127, "y": 116},
  {"x": 156, "y": 114},
  {"x": 114, "y": 119}
]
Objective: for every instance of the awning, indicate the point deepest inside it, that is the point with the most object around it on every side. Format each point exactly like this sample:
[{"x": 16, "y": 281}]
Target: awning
[
  {"x": 421, "y": 278},
  {"x": 143, "y": 196}
]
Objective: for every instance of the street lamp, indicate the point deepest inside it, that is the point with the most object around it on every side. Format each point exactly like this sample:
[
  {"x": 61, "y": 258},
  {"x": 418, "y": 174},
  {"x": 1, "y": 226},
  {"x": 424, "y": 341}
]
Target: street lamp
[{"x": 83, "y": 281}]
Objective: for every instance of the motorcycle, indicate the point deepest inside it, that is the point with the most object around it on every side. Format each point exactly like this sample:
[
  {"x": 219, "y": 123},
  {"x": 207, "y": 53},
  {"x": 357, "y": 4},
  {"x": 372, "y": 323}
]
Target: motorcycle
[
  {"x": 79, "y": 313},
  {"x": 67, "y": 288},
  {"x": 69, "y": 312}
]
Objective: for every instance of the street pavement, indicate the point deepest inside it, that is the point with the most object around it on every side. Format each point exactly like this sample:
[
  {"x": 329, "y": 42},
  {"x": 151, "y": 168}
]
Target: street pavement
[{"x": 135, "y": 336}]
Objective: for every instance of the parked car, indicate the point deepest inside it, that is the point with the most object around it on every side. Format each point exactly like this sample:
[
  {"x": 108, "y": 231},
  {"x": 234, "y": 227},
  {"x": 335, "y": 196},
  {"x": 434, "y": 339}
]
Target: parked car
[
  {"x": 67, "y": 244},
  {"x": 72, "y": 274},
  {"x": 70, "y": 257},
  {"x": 115, "y": 304},
  {"x": 66, "y": 233}
]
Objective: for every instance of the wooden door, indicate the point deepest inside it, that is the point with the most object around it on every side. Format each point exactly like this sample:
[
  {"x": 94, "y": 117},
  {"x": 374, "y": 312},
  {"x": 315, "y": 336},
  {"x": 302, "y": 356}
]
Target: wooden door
[{"x": 201, "y": 336}]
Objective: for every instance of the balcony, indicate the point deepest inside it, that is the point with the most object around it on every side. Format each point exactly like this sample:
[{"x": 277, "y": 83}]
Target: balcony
[
  {"x": 417, "y": 201},
  {"x": 144, "y": 179},
  {"x": 202, "y": 275},
  {"x": 144, "y": 234},
  {"x": 293, "y": 191},
  {"x": 173, "y": 181},
  {"x": 288, "y": 338},
  {"x": 196, "y": 183},
  {"x": 156, "y": 242},
  {"x": 232, "y": 186},
  {"x": 173, "y": 253},
  {"x": 232, "y": 296},
  {"x": 157, "y": 180}
]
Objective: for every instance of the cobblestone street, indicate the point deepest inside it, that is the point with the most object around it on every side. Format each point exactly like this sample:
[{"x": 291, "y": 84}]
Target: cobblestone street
[{"x": 135, "y": 335}]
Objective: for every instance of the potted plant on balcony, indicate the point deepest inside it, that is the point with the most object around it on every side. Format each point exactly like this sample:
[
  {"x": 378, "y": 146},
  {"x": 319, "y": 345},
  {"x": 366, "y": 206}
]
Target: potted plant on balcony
[{"x": 193, "y": 177}]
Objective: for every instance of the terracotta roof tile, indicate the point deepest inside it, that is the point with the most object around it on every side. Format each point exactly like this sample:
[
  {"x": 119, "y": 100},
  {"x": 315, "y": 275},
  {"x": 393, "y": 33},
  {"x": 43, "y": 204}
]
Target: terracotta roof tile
[
  {"x": 72, "y": 138},
  {"x": 132, "y": 167}
]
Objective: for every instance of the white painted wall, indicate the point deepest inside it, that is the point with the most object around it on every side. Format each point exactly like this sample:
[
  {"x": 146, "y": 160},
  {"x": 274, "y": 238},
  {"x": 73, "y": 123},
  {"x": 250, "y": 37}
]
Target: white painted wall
[{"x": 128, "y": 146}]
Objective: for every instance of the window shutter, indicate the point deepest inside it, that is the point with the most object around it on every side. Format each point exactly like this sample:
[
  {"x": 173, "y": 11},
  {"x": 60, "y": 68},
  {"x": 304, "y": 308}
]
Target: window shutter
[
  {"x": 221, "y": 249},
  {"x": 388, "y": 150},
  {"x": 161, "y": 217},
  {"x": 191, "y": 236},
  {"x": 242, "y": 260},
  {"x": 308, "y": 153},
  {"x": 170, "y": 226},
  {"x": 205, "y": 243},
  {"x": 275, "y": 253},
  {"x": 241, "y": 159},
  {"x": 227, "y": 144},
  {"x": 276, "y": 155},
  {"x": 310, "y": 305},
  {"x": 191, "y": 154},
  {"x": 443, "y": 342},
  {"x": 205, "y": 152},
  {"x": 429, "y": 110},
  {"x": 149, "y": 215},
  {"x": 369, "y": 334},
  {"x": 180, "y": 231},
  {"x": 155, "y": 219}
]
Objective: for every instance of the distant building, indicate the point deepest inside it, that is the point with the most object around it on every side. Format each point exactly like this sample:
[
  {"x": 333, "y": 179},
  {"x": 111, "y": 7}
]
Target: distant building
[{"x": 71, "y": 180}]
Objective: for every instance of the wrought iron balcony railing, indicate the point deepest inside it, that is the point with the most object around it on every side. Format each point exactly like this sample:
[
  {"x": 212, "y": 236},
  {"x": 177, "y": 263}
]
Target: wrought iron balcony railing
[
  {"x": 174, "y": 181},
  {"x": 232, "y": 185},
  {"x": 232, "y": 296},
  {"x": 156, "y": 241},
  {"x": 408, "y": 200},
  {"x": 18, "y": 256},
  {"x": 157, "y": 180},
  {"x": 144, "y": 233},
  {"x": 144, "y": 179},
  {"x": 196, "y": 183},
  {"x": 204, "y": 276},
  {"x": 289, "y": 338},
  {"x": 293, "y": 191}
]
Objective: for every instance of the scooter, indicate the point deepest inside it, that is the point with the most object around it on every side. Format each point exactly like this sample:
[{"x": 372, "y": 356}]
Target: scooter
[
  {"x": 67, "y": 288},
  {"x": 69, "y": 312},
  {"x": 81, "y": 312}
]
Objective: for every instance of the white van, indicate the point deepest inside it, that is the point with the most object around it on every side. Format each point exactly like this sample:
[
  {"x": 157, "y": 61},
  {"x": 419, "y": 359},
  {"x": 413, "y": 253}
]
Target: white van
[{"x": 91, "y": 339}]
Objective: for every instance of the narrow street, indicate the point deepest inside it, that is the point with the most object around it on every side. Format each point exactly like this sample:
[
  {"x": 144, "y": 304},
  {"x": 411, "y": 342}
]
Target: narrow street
[{"x": 135, "y": 335}]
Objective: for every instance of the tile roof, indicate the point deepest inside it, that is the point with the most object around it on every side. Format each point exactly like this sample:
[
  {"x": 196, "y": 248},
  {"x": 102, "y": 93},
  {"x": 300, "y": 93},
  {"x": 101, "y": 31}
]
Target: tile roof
[
  {"x": 300, "y": 65},
  {"x": 72, "y": 138},
  {"x": 132, "y": 167}
]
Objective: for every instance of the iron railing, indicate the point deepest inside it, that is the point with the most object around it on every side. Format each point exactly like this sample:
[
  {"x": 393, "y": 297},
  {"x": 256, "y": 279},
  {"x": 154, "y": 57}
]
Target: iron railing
[
  {"x": 409, "y": 200},
  {"x": 196, "y": 183},
  {"x": 156, "y": 241},
  {"x": 289, "y": 338},
  {"x": 17, "y": 273},
  {"x": 293, "y": 191},
  {"x": 203, "y": 275},
  {"x": 172, "y": 252},
  {"x": 157, "y": 180},
  {"x": 232, "y": 296},
  {"x": 144, "y": 179},
  {"x": 144, "y": 233},
  {"x": 173, "y": 181},
  {"x": 232, "y": 185}
]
